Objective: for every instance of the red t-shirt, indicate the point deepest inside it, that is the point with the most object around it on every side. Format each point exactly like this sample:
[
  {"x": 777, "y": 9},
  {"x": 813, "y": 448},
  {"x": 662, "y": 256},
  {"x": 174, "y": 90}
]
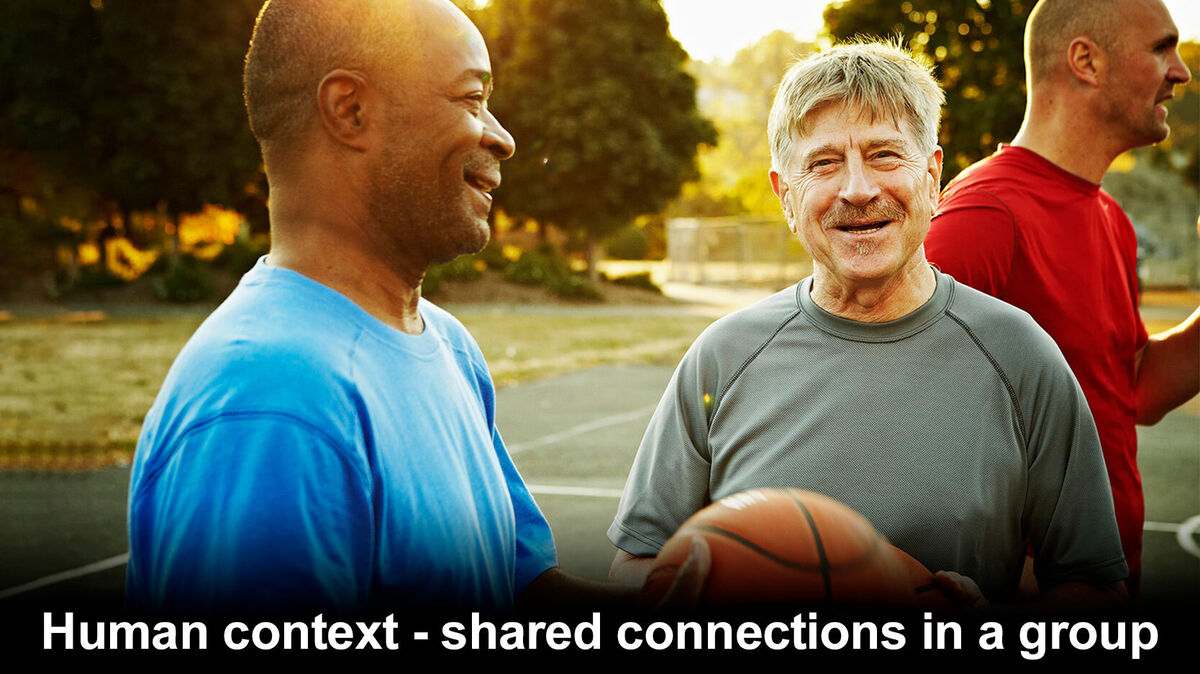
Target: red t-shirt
[{"x": 1018, "y": 227}]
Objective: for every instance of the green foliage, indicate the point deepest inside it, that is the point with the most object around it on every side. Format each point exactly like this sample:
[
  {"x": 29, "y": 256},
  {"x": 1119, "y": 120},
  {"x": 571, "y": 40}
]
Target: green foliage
[
  {"x": 461, "y": 268},
  {"x": 140, "y": 101},
  {"x": 602, "y": 108},
  {"x": 547, "y": 268},
  {"x": 91, "y": 281},
  {"x": 640, "y": 280},
  {"x": 538, "y": 267},
  {"x": 185, "y": 281},
  {"x": 631, "y": 243},
  {"x": 26, "y": 248},
  {"x": 575, "y": 287},
  {"x": 737, "y": 97},
  {"x": 976, "y": 48},
  {"x": 241, "y": 255}
]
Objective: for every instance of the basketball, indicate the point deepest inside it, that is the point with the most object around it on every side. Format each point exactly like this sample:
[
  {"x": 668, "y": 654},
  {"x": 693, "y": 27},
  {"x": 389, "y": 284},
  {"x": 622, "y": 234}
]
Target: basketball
[
  {"x": 775, "y": 546},
  {"x": 929, "y": 597}
]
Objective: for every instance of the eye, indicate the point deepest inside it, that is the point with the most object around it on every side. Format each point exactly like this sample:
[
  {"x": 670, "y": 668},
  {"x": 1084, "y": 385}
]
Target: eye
[{"x": 476, "y": 102}]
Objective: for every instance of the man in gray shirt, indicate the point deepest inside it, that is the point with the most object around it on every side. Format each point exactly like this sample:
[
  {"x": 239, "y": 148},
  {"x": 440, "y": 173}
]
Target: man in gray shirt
[{"x": 948, "y": 418}]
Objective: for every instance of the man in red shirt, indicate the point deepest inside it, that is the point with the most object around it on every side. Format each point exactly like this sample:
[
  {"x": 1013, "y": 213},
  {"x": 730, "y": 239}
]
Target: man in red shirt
[{"x": 1030, "y": 224}]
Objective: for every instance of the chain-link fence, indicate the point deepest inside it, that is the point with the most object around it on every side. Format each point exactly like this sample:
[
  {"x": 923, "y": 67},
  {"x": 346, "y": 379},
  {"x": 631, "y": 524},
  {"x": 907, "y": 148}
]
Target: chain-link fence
[{"x": 748, "y": 250}]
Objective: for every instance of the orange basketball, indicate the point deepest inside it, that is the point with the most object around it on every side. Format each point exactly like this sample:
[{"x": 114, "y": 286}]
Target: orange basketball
[
  {"x": 929, "y": 597},
  {"x": 772, "y": 546}
]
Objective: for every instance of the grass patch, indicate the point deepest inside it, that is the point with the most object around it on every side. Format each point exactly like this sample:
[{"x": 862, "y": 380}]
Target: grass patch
[{"x": 73, "y": 395}]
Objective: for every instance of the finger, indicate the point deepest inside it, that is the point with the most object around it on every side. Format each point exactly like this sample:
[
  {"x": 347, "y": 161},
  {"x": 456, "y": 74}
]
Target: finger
[{"x": 688, "y": 585}]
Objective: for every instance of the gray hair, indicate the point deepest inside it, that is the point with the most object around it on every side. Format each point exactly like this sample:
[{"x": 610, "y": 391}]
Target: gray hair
[{"x": 870, "y": 77}]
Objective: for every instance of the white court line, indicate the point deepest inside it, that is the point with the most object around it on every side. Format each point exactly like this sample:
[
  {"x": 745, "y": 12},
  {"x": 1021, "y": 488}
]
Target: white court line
[
  {"x": 574, "y": 491},
  {"x": 580, "y": 430},
  {"x": 94, "y": 567},
  {"x": 1183, "y": 533},
  {"x": 1185, "y": 536}
]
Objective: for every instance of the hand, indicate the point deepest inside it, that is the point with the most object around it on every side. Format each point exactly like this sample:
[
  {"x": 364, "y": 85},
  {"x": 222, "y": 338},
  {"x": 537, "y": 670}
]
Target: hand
[
  {"x": 963, "y": 591},
  {"x": 688, "y": 586}
]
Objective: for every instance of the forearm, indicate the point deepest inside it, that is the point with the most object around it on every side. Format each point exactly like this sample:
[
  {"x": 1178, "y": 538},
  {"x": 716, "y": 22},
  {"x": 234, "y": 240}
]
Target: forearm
[
  {"x": 557, "y": 589},
  {"x": 629, "y": 569},
  {"x": 1168, "y": 370}
]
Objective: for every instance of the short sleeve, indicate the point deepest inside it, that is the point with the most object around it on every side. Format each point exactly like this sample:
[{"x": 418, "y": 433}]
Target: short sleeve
[
  {"x": 535, "y": 551},
  {"x": 669, "y": 481},
  {"x": 972, "y": 238},
  {"x": 251, "y": 512},
  {"x": 1070, "y": 518}
]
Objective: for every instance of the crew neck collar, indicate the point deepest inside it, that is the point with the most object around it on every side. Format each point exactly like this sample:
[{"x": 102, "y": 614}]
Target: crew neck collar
[{"x": 889, "y": 331}]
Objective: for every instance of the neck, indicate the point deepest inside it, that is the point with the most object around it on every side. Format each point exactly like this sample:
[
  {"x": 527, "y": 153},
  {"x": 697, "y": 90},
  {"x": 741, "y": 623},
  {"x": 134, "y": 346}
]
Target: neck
[
  {"x": 317, "y": 238},
  {"x": 895, "y": 297},
  {"x": 1067, "y": 134}
]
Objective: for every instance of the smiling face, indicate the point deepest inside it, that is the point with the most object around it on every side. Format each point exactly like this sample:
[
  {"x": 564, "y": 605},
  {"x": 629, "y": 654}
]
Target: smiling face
[
  {"x": 1145, "y": 66},
  {"x": 440, "y": 157},
  {"x": 859, "y": 194}
]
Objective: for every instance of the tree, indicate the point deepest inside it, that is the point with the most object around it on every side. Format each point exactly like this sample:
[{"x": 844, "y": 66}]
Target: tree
[
  {"x": 976, "y": 48},
  {"x": 602, "y": 110},
  {"x": 140, "y": 102},
  {"x": 738, "y": 98}
]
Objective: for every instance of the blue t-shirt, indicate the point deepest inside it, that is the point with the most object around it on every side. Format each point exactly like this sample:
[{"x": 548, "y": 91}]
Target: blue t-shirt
[{"x": 303, "y": 454}]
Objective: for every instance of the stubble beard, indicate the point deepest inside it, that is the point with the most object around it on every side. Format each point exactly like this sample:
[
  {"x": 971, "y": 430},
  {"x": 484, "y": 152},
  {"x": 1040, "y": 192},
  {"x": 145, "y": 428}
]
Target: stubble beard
[{"x": 418, "y": 223}]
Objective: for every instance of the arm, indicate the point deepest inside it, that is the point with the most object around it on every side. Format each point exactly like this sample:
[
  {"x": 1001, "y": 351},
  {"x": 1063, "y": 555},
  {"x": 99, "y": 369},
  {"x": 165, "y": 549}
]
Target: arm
[
  {"x": 1069, "y": 597},
  {"x": 1168, "y": 370},
  {"x": 556, "y": 588},
  {"x": 629, "y": 569},
  {"x": 251, "y": 512}
]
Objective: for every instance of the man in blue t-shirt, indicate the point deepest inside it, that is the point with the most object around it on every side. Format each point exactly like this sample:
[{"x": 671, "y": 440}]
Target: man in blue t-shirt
[{"x": 327, "y": 439}]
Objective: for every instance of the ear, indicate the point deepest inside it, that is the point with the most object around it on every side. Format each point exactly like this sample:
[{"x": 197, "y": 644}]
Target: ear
[
  {"x": 935, "y": 175},
  {"x": 346, "y": 103},
  {"x": 780, "y": 187},
  {"x": 1085, "y": 60}
]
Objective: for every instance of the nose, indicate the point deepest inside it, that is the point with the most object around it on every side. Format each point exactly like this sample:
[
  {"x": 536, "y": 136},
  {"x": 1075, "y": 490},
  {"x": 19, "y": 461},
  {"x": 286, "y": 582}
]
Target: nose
[
  {"x": 496, "y": 138},
  {"x": 1178, "y": 72},
  {"x": 859, "y": 187}
]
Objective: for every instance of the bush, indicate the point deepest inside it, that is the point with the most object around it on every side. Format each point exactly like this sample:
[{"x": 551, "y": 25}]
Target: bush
[
  {"x": 185, "y": 281},
  {"x": 631, "y": 243},
  {"x": 91, "y": 280},
  {"x": 540, "y": 267},
  {"x": 640, "y": 280},
  {"x": 240, "y": 256},
  {"x": 574, "y": 287},
  {"x": 461, "y": 268}
]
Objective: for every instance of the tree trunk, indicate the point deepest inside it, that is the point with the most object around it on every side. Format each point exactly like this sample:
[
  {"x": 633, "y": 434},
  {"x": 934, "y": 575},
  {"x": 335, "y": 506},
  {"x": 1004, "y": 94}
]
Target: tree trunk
[{"x": 594, "y": 247}]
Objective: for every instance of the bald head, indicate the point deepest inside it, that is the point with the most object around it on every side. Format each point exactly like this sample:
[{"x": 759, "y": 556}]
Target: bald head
[
  {"x": 297, "y": 42},
  {"x": 1054, "y": 24}
]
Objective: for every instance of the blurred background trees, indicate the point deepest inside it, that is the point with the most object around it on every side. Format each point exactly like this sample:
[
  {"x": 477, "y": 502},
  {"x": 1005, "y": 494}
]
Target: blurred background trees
[
  {"x": 602, "y": 109},
  {"x": 124, "y": 148}
]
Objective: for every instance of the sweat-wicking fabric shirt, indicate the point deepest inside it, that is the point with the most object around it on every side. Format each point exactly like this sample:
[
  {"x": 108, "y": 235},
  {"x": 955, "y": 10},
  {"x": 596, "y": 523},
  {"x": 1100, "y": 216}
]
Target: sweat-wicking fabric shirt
[
  {"x": 304, "y": 455},
  {"x": 957, "y": 430},
  {"x": 1022, "y": 229}
]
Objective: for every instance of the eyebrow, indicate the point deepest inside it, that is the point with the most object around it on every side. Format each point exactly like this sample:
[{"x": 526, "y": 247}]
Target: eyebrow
[
  {"x": 483, "y": 76},
  {"x": 873, "y": 144}
]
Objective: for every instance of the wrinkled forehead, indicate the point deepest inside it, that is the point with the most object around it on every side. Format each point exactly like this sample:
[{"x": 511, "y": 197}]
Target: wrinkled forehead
[{"x": 836, "y": 117}]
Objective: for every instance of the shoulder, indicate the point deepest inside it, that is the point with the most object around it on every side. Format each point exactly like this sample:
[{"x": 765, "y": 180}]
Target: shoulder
[
  {"x": 746, "y": 330},
  {"x": 1007, "y": 334},
  {"x": 269, "y": 349},
  {"x": 456, "y": 338}
]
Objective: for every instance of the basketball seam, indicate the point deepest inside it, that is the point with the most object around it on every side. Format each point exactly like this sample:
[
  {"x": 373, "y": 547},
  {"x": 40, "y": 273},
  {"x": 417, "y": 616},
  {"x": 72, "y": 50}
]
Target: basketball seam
[
  {"x": 820, "y": 548},
  {"x": 850, "y": 565}
]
